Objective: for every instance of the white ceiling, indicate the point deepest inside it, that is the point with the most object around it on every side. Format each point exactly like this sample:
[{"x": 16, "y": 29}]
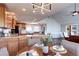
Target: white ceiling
[
  {"x": 28, "y": 15},
  {"x": 65, "y": 15}
]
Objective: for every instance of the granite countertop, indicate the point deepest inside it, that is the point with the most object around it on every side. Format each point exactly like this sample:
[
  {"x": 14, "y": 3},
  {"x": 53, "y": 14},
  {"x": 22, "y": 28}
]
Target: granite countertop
[{"x": 15, "y": 35}]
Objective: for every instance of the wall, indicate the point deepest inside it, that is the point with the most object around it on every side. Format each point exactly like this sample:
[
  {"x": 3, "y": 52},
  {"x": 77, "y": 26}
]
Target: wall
[{"x": 52, "y": 25}]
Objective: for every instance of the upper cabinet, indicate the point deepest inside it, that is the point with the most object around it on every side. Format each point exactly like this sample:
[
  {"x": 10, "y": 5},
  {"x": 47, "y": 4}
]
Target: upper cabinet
[
  {"x": 7, "y": 19},
  {"x": 13, "y": 23},
  {"x": 21, "y": 25},
  {"x": 10, "y": 20},
  {"x": 2, "y": 15}
]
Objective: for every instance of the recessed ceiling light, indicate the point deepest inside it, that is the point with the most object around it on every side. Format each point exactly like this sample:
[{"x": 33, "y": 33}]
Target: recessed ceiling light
[
  {"x": 42, "y": 12},
  {"x": 34, "y": 11},
  {"x": 23, "y": 9},
  {"x": 12, "y": 13}
]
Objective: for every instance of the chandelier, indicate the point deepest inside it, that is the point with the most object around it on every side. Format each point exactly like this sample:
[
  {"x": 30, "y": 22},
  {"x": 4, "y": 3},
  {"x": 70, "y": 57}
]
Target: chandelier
[{"x": 42, "y": 7}]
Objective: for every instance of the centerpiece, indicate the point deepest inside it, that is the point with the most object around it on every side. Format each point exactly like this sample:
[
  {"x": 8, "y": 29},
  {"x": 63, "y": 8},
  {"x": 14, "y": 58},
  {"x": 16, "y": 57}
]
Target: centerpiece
[
  {"x": 57, "y": 46},
  {"x": 46, "y": 41}
]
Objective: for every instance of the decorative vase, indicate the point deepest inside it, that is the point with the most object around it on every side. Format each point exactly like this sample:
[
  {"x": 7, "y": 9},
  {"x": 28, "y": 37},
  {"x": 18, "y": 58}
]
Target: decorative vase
[
  {"x": 45, "y": 49},
  {"x": 58, "y": 54}
]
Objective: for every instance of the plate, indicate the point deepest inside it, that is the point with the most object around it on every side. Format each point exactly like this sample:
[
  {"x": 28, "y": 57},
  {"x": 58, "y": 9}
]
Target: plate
[
  {"x": 61, "y": 49},
  {"x": 31, "y": 52}
]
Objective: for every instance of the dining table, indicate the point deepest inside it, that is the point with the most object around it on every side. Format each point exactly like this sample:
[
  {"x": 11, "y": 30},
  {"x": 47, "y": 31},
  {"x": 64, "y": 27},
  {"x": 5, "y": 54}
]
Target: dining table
[{"x": 40, "y": 51}]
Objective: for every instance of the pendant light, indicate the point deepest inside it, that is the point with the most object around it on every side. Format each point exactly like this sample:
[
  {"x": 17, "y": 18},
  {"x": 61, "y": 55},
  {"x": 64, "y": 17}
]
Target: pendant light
[{"x": 75, "y": 12}]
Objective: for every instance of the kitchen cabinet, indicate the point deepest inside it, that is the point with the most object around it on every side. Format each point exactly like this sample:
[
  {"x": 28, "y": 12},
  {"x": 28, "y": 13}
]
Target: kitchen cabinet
[
  {"x": 21, "y": 25},
  {"x": 3, "y": 42},
  {"x": 13, "y": 23},
  {"x": 12, "y": 46},
  {"x": 23, "y": 42},
  {"x": 2, "y": 15},
  {"x": 10, "y": 20},
  {"x": 7, "y": 19}
]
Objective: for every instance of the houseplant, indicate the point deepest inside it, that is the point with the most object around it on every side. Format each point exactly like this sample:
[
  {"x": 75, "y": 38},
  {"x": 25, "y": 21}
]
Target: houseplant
[{"x": 46, "y": 40}]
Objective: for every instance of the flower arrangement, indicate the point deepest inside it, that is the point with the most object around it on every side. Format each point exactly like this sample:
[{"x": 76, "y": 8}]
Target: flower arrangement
[{"x": 46, "y": 40}]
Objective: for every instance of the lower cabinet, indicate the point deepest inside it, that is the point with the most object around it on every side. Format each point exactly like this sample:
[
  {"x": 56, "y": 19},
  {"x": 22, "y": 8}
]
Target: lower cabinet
[
  {"x": 3, "y": 42},
  {"x": 13, "y": 46},
  {"x": 22, "y": 42}
]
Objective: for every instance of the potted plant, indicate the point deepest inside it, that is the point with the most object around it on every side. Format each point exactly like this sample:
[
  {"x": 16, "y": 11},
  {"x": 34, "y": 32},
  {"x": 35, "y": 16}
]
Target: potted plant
[{"x": 45, "y": 41}]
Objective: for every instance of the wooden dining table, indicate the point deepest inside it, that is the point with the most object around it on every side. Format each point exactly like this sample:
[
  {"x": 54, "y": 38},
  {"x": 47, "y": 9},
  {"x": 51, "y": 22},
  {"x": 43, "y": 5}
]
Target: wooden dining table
[{"x": 40, "y": 51}]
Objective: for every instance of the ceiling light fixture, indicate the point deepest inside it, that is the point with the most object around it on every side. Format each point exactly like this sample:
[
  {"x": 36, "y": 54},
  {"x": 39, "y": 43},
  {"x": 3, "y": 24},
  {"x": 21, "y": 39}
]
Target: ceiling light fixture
[
  {"x": 75, "y": 12},
  {"x": 42, "y": 6},
  {"x": 24, "y": 9}
]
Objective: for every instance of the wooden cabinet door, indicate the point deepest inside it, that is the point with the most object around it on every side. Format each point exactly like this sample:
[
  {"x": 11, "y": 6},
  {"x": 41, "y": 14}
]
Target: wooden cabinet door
[
  {"x": 3, "y": 42},
  {"x": 13, "y": 23},
  {"x": 22, "y": 42},
  {"x": 2, "y": 15},
  {"x": 13, "y": 46},
  {"x": 8, "y": 20}
]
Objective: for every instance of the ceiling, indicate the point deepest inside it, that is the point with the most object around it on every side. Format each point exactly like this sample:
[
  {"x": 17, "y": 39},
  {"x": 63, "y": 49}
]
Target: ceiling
[
  {"x": 28, "y": 15},
  {"x": 65, "y": 15}
]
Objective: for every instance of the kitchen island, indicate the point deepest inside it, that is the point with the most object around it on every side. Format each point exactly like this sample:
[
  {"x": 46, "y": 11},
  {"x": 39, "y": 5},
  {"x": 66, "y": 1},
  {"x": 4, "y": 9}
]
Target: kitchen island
[{"x": 15, "y": 43}]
